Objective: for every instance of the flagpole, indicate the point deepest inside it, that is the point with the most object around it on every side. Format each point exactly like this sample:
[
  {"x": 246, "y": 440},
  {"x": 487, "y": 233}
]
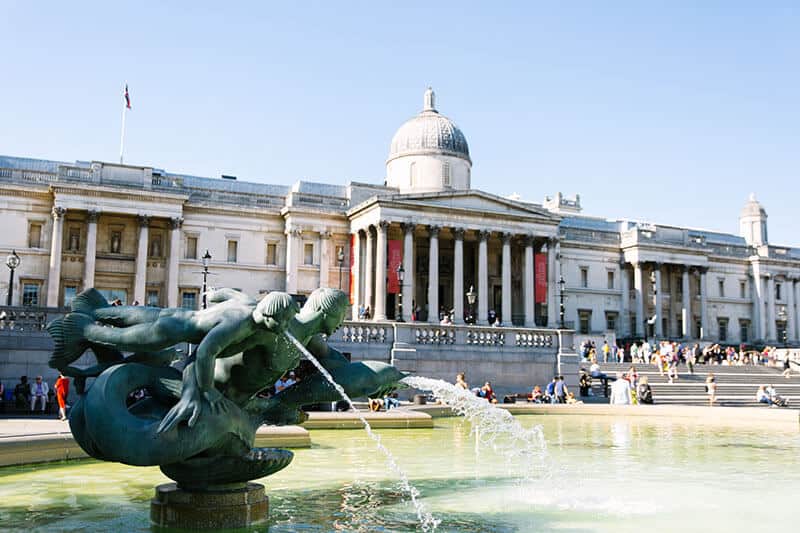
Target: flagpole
[{"x": 122, "y": 133}]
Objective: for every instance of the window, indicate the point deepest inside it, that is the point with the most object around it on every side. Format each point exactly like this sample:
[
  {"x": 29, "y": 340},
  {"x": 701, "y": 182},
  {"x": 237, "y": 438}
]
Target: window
[
  {"x": 189, "y": 299},
  {"x": 721, "y": 285},
  {"x": 742, "y": 289},
  {"x": 744, "y": 331},
  {"x": 191, "y": 248},
  {"x": 152, "y": 298},
  {"x": 70, "y": 291},
  {"x": 155, "y": 246},
  {"x": 777, "y": 291},
  {"x": 611, "y": 320},
  {"x": 340, "y": 253},
  {"x": 446, "y": 174},
  {"x": 722, "y": 324},
  {"x": 611, "y": 279},
  {"x": 233, "y": 249},
  {"x": 308, "y": 253},
  {"x": 74, "y": 239},
  {"x": 698, "y": 329},
  {"x": 116, "y": 241},
  {"x": 115, "y": 294},
  {"x": 35, "y": 236},
  {"x": 413, "y": 174},
  {"x": 584, "y": 321},
  {"x": 584, "y": 277},
  {"x": 272, "y": 254},
  {"x": 30, "y": 293}
]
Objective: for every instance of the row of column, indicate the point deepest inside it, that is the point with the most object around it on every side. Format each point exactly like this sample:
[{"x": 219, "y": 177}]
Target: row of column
[
  {"x": 140, "y": 275},
  {"x": 375, "y": 288},
  {"x": 765, "y": 306}
]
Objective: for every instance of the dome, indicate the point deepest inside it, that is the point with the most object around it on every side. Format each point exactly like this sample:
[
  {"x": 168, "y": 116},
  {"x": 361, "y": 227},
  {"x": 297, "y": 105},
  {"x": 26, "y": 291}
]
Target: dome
[
  {"x": 429, "y": 133},
  {"x": 753, "y": 208}
]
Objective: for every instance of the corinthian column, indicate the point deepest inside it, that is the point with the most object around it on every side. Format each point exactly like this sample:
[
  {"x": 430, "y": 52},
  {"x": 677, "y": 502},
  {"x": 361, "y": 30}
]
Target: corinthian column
[
  {"x": 686, "y": 312},
  {"x": 528, "y": 284},
  {"x": 140, "y": 280},
  {"x": 408, "y": 266},
  {"x": 659, "y": 306},
  {"x": 638, "y": 285},
  {"x": 292, "y": 259},
  {"x": 506, "y": 311},
  {"x": 458, "y": 276},
  {"x": 91, "y": 250},
  {"x": 355, "y": 271},
  {"x": 483, "y": 277},
  {"x": 433, "y": 275},
  {"x": 174, "y": 258},
  {"x": 324, "y": 258},
  {"x": 369, "y": 278},
  {"x": 380, "y": 271},
  {"x": 54, "y": 274}
]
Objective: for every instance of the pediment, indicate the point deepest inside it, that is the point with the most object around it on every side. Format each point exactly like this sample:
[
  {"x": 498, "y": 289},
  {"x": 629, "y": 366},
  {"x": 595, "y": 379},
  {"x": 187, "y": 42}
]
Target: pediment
[{"x": 473, "y": 200}]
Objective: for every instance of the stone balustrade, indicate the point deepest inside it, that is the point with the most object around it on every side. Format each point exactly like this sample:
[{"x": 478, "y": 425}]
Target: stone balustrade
[{"x": 26, "y": 320}]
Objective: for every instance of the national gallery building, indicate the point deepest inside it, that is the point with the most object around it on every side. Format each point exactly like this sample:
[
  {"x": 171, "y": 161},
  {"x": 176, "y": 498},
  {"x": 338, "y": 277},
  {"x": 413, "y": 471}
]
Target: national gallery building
[{"x": 418, "y": 245}]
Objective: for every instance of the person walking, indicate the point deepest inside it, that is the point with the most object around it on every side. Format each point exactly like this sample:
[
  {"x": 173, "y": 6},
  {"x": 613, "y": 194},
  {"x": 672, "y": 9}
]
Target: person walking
[
  {"x": 711, "y": 389},
  {"x": 62, "y": 391}
]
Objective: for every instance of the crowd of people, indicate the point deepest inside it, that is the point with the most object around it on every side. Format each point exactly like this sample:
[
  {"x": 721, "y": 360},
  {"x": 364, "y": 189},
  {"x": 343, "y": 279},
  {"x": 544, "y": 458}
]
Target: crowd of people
[{"x": 37, "y": 395}]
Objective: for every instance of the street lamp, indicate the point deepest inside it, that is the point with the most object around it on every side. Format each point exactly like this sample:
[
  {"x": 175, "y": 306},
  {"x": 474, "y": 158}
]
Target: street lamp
[
  {"x": 471, "y": 295},
  {"x": 340, "y": 260},
  {"x": 561, "y": 285},
  {"x": 12, "y": 262},
  {"x": 401, "y": 276},
  {"x": 206, "y": 260}
]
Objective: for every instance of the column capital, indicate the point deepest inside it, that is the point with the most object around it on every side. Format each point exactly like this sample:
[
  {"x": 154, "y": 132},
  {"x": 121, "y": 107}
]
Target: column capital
[
  {"x": 506, "y": 236},
  {"x": 433, "y": 230},
  {"x": 293, "y": 232},
  {"x": 458, "y": 233},
  {"x": 383, "y": 225},
  {"x": 325, "y": 234},
  {"x": 483, "y": 235},
  {"x": 144, "y": 220},
  {"x": 529, "y": 239},
  {"x": 553, "y": 240},
  {"x": 407, "y": 227},
  {"x": 369, "y": 233},
  {"x": 59, "y": 212},
  {"x": 176, "y": 222},
  {"x": 93, "y": 215}
]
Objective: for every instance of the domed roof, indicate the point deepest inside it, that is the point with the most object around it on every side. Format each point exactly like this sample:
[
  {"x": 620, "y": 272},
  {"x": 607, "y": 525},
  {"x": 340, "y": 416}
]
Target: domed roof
[
  {"x": 429, "y": 133},
  {"x": 753, "y": 207}
]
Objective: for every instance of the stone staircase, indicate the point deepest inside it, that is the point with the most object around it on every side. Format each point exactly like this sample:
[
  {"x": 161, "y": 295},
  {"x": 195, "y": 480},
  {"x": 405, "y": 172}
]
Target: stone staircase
[{"x": 736, "y": 385}]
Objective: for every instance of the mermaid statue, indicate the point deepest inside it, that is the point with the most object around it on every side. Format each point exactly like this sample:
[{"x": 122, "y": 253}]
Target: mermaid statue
[{"x": 196, "y": 415}]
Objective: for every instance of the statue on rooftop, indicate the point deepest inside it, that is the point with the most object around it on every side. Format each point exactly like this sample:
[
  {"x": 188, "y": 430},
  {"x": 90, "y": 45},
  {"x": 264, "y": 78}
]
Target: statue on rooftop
[{"x": 199, "y": 423}]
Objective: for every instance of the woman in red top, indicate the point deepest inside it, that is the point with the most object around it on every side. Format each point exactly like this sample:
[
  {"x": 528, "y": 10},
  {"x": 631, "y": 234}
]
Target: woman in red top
[{"x": 62, "y": 390}]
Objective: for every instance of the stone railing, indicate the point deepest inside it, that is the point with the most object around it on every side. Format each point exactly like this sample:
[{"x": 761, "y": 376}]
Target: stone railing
[
  {"x": 364, "y": 332},
  {"x": 433, "y": 334},
  {"x": 26, "y": 320}
]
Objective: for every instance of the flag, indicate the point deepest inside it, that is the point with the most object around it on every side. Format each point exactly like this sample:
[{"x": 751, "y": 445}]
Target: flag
[{"x": 127, "y": 98}]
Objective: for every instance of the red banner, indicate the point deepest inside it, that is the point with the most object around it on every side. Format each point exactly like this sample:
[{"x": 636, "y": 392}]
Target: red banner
[
  {"x": 540, "y": 278},
  {"x": 352, "y": 278},
  {"x": 395, "y": 258}
]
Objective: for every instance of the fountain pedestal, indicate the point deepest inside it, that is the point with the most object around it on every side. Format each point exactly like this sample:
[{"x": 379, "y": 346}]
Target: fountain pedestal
[{"x": 243, "y": 506}]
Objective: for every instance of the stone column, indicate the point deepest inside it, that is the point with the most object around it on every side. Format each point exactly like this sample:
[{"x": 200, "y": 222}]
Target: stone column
[
  {"x": 703, "y": 304},
  {"x": 791, "y": 333},
  {"x": 325, "y": 258},
  {"x": 483, "y": 278},
  {"x": 659, "y": 301},
  {"x": 140, "y": 280},
  {"x": 638, "y": 285},
  {"x": 408, "y": 266},
  {"x": 624, "y": 311},
  {"x": 173, "y": 267},
  {"x": 772, "y": 333},
  {"x": 553, "y": 276},
  {"x": 355, "y": 271},
  {"x": 506, "y": 311},
  {"x": 380, "y": 271},
  {"x": 292, "y": 259},
  {"x": 369, "y": 273},
  {"x": 54, "y": 273},
  {"x": 90, "y": 260},
  {"x": 797, "y": 309},
  {"x": 433, "y": 275},
  {"x": 458, "y": 276},
  {"x": 528, "y": 284},
  {"x": 686, "y": 310}
]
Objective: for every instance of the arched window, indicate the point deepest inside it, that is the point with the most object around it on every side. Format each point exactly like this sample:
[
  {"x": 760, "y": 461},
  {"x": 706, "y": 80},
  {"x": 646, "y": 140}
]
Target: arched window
[
  {"x": 446, "y": 174},
  {"x": 413, "y": 174}
]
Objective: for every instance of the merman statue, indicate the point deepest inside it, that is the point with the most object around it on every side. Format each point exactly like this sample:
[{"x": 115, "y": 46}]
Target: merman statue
[{"x": 199, "y": 424}]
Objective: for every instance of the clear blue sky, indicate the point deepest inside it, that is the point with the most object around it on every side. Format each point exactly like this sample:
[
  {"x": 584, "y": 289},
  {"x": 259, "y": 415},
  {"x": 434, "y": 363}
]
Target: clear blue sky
[{"x": 666, "y": 111}]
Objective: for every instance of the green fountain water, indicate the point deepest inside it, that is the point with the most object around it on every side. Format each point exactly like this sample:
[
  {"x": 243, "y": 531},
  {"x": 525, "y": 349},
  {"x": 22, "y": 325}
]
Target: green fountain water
[{"x": 607, "y": 474}]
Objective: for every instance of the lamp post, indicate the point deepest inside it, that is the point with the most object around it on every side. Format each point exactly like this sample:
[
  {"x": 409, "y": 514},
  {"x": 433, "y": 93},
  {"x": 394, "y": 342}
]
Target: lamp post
[
  {"x": 471, "y": 295},
  {"x": 206, "y": 260},
  {"x": 340, "y": 261},
  {"x": 561, "y": 285},
  {"x": 401, "y": 276},
  {"x": 12, "y": 262}
]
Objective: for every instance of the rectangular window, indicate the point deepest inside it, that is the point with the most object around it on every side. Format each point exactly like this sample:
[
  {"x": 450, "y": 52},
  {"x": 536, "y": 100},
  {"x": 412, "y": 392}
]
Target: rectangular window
[
  {"x": 115, "y": 246},
  {"x": 611, "y": 321},
  {"x": 610, "y": 279},
  {"x": 584, "y": 277},
  {"x": 744, "y": 331},
  {"x": 74, "y": 239},
  {"x": 777, "y": 291},
  {"x": 722, "y": 324},
  {"x": 30, "y": 293},
  {"x": 446, "y": 174},
  {"x": 585, "y": 321},
  {"x": 35, "y": 236},
  {"x": 721, "y": 285},
  {"x": 152, "y": 298},
  {"x": 69, "y": 293},
  {"x": 308, "y": 253},
  {"x": 155, "y": 246},
  {"x": 742, "y": 289},
  {"x": 189, "y": 299},
  {"x": 272, "y": 254},
  {"x": 112, "y": 295},
  {"x": 191, "y": 248},
  {"x": 233, "y": 250}
]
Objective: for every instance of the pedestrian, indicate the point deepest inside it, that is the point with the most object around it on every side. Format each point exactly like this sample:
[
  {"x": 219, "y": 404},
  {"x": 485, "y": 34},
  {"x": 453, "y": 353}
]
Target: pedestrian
[
  {"x": 62, "y": 391},
  {"x": 711, "y": 389},
  {"x": 39, "y": 391},
  {"x": 620, "y": 391}
]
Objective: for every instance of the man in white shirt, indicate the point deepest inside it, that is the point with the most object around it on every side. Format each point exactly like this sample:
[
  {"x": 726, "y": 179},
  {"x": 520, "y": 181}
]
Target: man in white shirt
[{"x": 620, "y": 391}]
